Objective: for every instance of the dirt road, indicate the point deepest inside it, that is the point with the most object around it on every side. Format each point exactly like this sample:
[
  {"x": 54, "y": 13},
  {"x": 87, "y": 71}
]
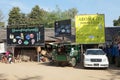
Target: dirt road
[{"x": 44, "y": 71}]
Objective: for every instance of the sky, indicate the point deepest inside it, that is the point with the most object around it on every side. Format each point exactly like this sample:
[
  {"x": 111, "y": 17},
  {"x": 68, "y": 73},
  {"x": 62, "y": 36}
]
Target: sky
[{"x": 110, "y": 8}]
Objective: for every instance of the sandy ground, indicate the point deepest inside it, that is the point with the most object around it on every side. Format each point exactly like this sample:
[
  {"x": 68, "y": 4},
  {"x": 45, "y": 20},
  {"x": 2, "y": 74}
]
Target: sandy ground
[{"x": 44, "y": 71}]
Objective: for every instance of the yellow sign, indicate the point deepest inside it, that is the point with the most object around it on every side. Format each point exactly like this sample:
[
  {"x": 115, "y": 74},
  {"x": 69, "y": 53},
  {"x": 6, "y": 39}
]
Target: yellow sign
[{"x": 90, "y": 29}]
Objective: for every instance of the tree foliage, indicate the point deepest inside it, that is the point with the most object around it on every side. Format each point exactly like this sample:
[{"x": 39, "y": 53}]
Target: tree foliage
[
  {"x": 14, "y": 17},
  {"x": 58, "y": 14},
  {"x": 70, "y": 14},
  {"x": 39, "y": 16},
  {"x": 36, "y": 16},
  {"x": 116, "y": 22}
]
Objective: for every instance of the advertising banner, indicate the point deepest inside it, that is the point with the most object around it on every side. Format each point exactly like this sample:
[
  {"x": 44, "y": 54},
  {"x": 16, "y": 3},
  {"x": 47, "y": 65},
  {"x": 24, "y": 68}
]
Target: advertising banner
[
  {"x": 25, "y": 36},
  {"x": 63, "y": 28},
  {"x": 90, "y": 29}
]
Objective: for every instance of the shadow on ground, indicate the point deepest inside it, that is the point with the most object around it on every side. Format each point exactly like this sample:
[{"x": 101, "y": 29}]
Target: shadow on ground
[
  {"x": 2, "y": 77},
  {"x": 50, "y": 64},
  {"x": 55, "y": 64},
  {"x": 113, "y": 67},
  {"x": 114, "y": 72},
  {"x": 78, "y": 66},
  {"x": 30, "y": 78}
]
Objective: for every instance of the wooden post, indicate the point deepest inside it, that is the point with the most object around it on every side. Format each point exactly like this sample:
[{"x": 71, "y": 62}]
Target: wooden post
[
  {"x": 38, "y": 54},
  {"x": 82, "y": 54},
  {"x": 82, "y": 49},
  {"x": 13, "y": 53}
]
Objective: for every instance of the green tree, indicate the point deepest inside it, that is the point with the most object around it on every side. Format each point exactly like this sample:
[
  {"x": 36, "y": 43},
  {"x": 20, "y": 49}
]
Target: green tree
[
  {"x": 14, "y": 17},
  {"x": 39, "y": 16},
  {"x": 49, "y": 17},
  {"x": 23, "y": 19},
  {"x": 52, "y": 17},
  {"x": 116, "y": 22},
  {"x": 36, "y": 16},
  {"x": 58, "y": 14},
  {"x": 70, "y": 14}
]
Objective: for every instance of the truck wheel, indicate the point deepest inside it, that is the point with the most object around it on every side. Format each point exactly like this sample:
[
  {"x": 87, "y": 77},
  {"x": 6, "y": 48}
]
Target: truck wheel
[{"x": 73, "y": 62}]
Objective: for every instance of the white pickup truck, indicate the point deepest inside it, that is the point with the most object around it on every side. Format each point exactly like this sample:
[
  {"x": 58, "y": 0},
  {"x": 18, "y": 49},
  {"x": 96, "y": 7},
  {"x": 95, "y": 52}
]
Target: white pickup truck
[{"x": 95, "y": 58}]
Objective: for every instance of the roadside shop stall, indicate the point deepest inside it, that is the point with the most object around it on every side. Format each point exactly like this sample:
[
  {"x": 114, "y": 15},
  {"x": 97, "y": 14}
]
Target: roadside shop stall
[{"x": 25, "y": 41}]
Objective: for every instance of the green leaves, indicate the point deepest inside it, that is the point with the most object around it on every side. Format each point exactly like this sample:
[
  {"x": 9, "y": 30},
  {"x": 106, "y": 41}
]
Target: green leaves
[
  {"x": 116, "y": 22},
  {"x": 14, "y": 17},
  {"x": 39, "y": 16}
]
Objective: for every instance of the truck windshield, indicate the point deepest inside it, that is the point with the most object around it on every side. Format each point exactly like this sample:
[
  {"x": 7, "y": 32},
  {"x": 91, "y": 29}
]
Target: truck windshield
[{"x": 95, "y": 52}]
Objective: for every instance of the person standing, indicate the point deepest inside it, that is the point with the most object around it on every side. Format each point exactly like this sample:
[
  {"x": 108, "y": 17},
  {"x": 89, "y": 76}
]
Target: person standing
[{"x": 119, "y": 47}]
